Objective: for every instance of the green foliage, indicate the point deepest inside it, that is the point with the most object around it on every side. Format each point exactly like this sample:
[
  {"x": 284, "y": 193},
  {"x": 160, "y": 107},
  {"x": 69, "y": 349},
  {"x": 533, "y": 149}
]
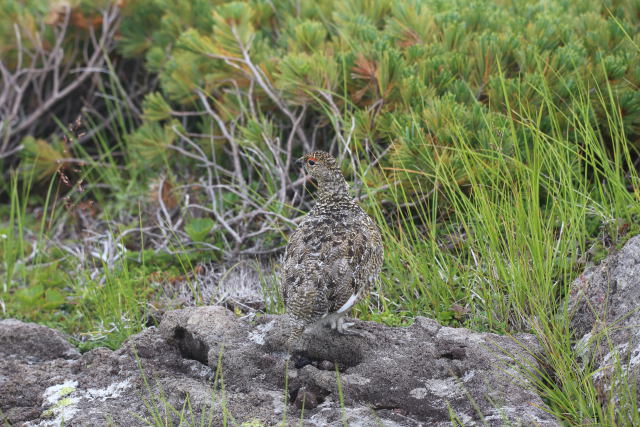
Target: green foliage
[
  {"x": 444, "y": 67},
  {"x": 155, "y": 108},
  {"x": 45, "y": 292},
  {"x": 148, "y": 144},
  {"x": 31, "y": 25},
  {"x": 42, "y": 158},
  {"x": 198, "y": 228}
]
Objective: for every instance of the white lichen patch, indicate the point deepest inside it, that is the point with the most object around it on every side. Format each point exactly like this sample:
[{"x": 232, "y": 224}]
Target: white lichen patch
[
  {"x": 111, "y": 392},
  {"x": 448, "y": 388},
  {"x": 353, "y": 379},
  {"x": 59, "y": 404},
  {"x": 468, "y": 376},
  {"x": 54, "y": 393},
  {"x": 418, "y": 393},
  {"x": 260, "y": 332}
]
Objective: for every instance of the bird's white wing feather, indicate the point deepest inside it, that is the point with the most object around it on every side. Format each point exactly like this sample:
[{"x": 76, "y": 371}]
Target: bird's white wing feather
[{"x": 347, "y": 305}]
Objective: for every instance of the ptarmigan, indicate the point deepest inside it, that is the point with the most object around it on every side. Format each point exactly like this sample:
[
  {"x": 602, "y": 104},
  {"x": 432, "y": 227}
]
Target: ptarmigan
[{"x": 334, "y": 256}]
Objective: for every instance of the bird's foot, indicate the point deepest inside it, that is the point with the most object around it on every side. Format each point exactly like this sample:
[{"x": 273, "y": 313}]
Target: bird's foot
[
  {"x": 342, "y": 327},
  {"x": 336, "y": 322}
]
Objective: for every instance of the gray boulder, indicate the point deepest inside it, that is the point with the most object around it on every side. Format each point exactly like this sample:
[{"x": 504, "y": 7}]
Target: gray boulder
[
  {"x": 95, "y": 388},
  {"x": 207, "y": 364},
  {"x": 604, "y": 303},
  {"x": 419, "y": 375},
  {"x": 33, "y": 342}
]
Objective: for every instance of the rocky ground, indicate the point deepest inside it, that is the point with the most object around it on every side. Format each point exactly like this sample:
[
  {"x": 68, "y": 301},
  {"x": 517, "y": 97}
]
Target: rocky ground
[
  {"x": 605, "y": 307},
  {"x": 206, "y": 364},
  {"x": 419, "y": 375}
]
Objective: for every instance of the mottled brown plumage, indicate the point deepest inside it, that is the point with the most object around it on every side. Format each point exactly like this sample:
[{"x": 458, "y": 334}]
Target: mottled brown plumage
[{"x": 334, "y": 256}]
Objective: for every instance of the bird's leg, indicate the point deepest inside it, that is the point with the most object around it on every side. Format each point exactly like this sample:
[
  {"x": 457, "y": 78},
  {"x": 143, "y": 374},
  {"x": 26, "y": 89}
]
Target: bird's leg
[
  {"x": 333, "y": 321},
  {"x": 336, "y": 321},
  {"x": 297, "y": 328}
]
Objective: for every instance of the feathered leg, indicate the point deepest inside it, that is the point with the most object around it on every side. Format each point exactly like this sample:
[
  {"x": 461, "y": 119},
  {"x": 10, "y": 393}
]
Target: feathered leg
[{"x": 297, "y": 328}]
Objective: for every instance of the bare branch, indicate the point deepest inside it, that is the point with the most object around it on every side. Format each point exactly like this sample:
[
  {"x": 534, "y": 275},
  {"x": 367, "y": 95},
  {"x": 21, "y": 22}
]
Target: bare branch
[{"x": 46, "y": 77}]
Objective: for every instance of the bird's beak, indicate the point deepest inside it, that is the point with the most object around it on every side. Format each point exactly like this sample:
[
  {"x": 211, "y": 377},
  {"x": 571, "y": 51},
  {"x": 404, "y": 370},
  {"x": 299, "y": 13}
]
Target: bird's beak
[{"x": 300, "y": 162}]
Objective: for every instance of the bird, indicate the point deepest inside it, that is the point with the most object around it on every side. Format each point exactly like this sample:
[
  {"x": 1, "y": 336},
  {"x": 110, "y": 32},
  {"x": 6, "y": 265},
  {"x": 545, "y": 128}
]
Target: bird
[{"x": 334, "y": 256}]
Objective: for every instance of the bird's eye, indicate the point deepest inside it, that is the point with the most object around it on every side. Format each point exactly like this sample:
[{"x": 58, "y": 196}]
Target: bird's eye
[{"x": 311, "y": 162}]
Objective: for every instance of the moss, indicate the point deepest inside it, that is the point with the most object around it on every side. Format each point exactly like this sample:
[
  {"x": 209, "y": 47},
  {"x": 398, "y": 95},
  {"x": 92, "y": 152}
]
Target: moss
[{"x": 65, "y": 391}]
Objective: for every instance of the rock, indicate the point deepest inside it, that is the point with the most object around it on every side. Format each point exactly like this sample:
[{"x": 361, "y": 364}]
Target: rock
[
  {"x": 326, "y": 365},
  {"x": 306, "y": 399},
  {"x": 603, "y": 303},
  {"x": 33, "y": 342},
  {"x": 407, "y": 375},
  {"x": 95, "y": 388},
  {"x": 207, "y": 362}
]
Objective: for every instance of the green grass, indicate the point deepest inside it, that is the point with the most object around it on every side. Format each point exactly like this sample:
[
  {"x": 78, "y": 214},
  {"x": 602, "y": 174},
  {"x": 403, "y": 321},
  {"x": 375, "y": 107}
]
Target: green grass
[
  {"x": 525, "y": 227},
  {"x": 55, "y": 288}
]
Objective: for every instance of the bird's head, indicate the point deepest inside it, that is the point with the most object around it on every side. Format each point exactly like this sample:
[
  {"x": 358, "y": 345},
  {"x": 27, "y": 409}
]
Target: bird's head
[{"x": 321, "y": 166}]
